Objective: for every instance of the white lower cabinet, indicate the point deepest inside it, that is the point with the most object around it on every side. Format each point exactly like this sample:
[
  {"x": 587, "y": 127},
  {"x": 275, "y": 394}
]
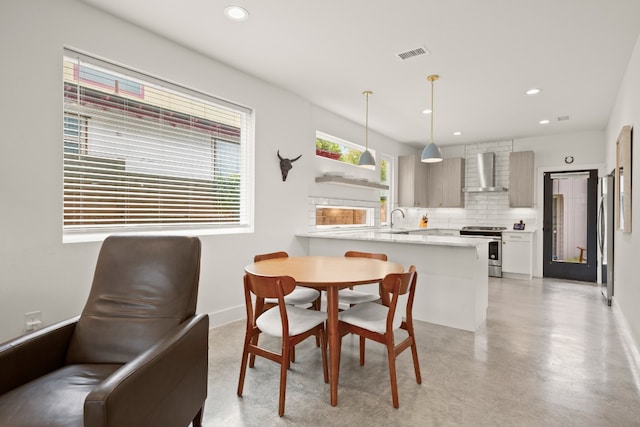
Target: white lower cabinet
[{"x": 517, "y": 254}]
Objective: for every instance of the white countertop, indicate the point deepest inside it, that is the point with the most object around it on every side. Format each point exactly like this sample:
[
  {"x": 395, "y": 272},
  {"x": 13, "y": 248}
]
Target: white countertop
[{"x": 397, "y": 237}]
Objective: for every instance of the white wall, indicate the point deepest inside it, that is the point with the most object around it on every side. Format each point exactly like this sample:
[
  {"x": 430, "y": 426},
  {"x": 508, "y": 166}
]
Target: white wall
[
  {"x": 627, "y": 245},
  {"x": 587, "y": 148},
  {"x": 38, "y": 271}
]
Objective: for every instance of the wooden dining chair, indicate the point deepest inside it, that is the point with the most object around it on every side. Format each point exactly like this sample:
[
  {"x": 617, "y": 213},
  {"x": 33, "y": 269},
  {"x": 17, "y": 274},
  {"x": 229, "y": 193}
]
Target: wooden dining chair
[
  {"x": 301, "y": 297},
  {"x": 379, "y": 322},
  {"x": 291, "y": 324},
  {"x": 351, "y": 296}
]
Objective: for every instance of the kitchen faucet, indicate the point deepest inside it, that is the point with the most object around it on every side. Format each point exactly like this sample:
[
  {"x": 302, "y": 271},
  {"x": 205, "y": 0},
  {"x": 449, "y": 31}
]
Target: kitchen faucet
[{"x": 391, "y": 215}]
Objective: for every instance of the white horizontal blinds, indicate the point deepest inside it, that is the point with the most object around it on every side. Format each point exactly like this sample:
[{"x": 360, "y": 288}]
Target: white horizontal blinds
[{"x": 142, "y": 153}]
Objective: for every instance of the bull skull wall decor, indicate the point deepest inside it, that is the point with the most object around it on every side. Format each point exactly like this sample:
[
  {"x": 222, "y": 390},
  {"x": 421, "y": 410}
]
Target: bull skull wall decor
[{"x": 285, "y": 165}]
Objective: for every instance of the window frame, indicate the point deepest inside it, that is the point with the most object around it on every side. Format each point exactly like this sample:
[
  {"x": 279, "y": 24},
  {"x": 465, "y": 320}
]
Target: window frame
[
  {"x": 369, "y": 214},
  {"x": 342, "y": 142},
  {"x": 246, "y": 146},
  {"x": 389, "y": 160}
]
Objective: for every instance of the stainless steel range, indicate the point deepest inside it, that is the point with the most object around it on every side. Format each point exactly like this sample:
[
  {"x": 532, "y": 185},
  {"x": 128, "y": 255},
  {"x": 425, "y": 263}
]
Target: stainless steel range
[{"x": 495, "y": 245}]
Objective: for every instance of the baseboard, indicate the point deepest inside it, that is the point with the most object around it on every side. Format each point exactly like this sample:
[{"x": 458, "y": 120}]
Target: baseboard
[
  {"x": 228, "y": 315},
  {"x": 519, "y": 276},
  {"x": 631, "y": 346}
]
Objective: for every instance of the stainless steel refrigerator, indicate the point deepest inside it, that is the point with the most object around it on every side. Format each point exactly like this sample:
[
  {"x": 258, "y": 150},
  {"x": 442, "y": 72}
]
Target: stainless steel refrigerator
[{"x": 605, "y": 234}]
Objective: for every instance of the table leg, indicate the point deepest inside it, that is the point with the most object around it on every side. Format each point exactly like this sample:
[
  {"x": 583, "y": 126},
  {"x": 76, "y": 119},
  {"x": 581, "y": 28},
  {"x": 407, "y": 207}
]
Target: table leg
[{"x": 334, "y": 341}]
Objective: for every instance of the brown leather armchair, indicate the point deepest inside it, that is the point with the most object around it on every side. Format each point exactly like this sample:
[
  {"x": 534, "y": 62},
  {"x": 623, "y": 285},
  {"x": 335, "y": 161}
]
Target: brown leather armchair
[{"x": 136, "y": 356}]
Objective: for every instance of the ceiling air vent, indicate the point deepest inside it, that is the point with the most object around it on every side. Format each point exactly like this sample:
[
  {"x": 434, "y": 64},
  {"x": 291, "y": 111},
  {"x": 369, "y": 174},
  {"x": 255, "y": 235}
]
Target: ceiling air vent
[
  {"x": 412, "y": 53},
  {"x": 563, "y": 118}
]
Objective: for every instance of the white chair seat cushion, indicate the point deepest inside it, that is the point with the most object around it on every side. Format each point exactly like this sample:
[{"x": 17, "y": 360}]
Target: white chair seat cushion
[
  {"x": 299, "y": 296},
  {"x": 370, "y": 316},
  {"x": 300, "y": 320},
  {"x": 349, "y": 296}
]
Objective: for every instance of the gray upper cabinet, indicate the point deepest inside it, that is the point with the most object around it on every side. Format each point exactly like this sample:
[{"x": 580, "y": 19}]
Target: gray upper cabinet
[
  {"x": 412, "y": 182},
  {"x": 434, "y": 184},
  {"x": 446, "y": 180},
  {"x": 430, "y": 185},
  {"x": 521, "y": 179},
  {"x": 452, "y": 182}
]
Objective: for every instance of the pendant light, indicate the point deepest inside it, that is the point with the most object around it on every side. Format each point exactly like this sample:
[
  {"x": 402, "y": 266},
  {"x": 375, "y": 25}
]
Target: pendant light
[
  {"x": 366, "y": 158},
  {"x": 432, "y": 153}
]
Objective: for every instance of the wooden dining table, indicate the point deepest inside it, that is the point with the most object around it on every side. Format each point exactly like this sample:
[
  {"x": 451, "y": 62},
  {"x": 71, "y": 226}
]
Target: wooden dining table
[{"x": 330, "y": 274}]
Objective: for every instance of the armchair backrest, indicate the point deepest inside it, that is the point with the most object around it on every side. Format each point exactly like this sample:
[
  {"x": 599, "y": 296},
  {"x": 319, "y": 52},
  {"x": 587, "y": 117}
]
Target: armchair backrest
[{"x": 142, "y": 287}]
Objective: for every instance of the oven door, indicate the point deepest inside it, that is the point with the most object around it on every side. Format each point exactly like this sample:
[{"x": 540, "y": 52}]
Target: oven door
[{"x": 495, "y": 258}]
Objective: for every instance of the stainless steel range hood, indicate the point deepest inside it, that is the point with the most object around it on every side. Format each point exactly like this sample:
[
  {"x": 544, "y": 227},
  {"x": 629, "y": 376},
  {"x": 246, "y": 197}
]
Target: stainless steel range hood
[{"x": 486, "y": 175}]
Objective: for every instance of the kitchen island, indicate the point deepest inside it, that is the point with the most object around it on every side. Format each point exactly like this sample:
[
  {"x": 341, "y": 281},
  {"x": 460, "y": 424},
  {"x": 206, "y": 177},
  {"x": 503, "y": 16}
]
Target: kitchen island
[{"x": 452, "y": 271}]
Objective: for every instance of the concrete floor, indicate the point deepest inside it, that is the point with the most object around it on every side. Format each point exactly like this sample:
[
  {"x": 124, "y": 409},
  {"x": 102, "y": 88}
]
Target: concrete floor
[{"x": 551, "y": 354}]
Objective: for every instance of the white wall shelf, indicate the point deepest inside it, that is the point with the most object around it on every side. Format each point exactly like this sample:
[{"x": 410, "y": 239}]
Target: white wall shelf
[{"x": 352, "y": 182}]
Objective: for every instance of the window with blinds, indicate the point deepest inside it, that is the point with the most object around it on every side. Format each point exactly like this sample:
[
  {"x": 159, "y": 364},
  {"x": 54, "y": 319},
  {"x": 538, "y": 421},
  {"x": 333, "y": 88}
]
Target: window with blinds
[{"x": 143, "y": 154}]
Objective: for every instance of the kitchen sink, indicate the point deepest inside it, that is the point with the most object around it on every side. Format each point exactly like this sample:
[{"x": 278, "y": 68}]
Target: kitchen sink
[
  {"x": 420, "y": 231},
  {"x": 392, "y": 231}
]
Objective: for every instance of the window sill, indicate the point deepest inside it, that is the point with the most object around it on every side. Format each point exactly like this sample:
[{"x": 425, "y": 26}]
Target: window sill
[{"x": 100, "y": 236}]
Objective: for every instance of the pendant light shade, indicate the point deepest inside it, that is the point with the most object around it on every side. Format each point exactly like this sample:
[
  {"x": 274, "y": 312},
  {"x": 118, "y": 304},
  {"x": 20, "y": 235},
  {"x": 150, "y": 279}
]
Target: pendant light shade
[
  {"x": 366, "y": 158},
  {"x": 431, "y": 153}
]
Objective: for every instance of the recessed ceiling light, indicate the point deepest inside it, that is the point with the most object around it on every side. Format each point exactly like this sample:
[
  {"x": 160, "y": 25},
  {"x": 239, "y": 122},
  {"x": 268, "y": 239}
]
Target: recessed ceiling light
[
  {"x": 426, "y": 111},
  {"x": 533, "y": 91},
  {"x": 236, "y": 13},
  {"x": 544, "y": 122},
  {"x": 457, "y": 133}
]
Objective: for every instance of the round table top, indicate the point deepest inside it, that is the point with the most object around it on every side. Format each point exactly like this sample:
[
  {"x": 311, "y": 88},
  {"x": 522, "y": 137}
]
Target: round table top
[{"x": 323, "y": 271}]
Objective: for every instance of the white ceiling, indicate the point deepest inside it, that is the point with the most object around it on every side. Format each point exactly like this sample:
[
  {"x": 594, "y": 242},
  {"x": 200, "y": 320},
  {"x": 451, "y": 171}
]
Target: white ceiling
[{"x": 487, "y": 54}]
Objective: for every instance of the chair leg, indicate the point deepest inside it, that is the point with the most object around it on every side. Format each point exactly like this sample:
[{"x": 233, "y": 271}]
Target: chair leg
[
  {"x": 243, "y": 364},
  {"x": 408, "y": 326},
  {"x": 252, "y": 357},
  {"x": 392, "y": 375},
  {"x": 284, "y": 365},
  {"x": 322, "y": 336},
  {"x": 416, "y": 364},
  {"x": 362, "y": 346},
  {"x": 197, "y": 420},
  {"x": 316, "y": 306}
]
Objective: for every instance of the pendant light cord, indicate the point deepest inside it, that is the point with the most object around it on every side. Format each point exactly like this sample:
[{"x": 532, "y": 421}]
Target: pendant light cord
[
  {"x": 431, "y": 153},
  {"x": 366, "y": 93},
  {"x": 432, "y": 78},
  {"x": 432, "y": 111}
]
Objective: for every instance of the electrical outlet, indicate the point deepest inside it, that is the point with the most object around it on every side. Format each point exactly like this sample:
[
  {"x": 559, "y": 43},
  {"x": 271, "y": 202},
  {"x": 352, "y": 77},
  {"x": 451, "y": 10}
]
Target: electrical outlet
[{"x": 32, "y": 321}]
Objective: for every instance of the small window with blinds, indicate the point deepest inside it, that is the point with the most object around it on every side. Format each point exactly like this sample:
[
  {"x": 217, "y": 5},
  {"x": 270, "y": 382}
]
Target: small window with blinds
[{"x": 142, "y": 154}]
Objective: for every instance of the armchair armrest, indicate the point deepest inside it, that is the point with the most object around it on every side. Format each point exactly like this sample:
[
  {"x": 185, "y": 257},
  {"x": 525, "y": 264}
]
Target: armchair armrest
[
  {"x": 165, "y": 385},
  {"x": 30, "y": 356}
]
